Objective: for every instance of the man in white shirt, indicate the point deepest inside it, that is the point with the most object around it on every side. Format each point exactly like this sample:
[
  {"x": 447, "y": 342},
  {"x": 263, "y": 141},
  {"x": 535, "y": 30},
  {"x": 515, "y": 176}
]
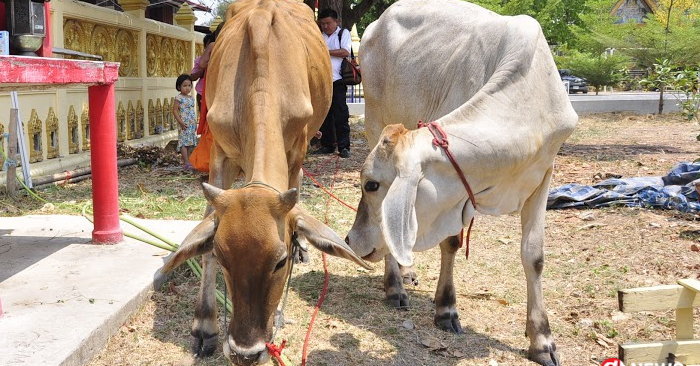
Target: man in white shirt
[{"x": 336, "y": 127}]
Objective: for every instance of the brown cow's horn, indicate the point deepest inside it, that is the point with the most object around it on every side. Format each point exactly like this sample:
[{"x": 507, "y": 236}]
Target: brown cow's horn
[
  {"x": 211, "y": 192},
  {"x": 289, "y": 198}
]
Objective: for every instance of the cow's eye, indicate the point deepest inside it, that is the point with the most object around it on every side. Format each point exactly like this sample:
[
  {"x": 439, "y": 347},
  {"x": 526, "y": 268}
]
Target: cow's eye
[
  {"x": 281, "y": 264},
  {"x": 371, "y": 186}
]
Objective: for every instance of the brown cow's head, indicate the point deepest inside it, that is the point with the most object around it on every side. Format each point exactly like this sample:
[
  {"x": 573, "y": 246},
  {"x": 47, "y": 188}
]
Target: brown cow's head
[{"x": 250, "y": 233}]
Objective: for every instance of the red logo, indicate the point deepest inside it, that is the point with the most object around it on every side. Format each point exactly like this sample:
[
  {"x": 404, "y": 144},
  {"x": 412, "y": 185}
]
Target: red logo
[{"x": 612, "y": 362}]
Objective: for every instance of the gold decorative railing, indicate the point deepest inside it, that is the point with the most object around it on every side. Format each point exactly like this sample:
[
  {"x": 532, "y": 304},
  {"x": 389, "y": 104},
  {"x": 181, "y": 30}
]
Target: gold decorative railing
[
  {"x": 167, "y": 57},
  {"x": 112, "y": 43},
  {"x": 73, "y": 131}
]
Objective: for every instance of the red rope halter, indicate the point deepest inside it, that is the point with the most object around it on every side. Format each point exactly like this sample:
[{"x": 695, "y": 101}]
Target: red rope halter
[
  {"x": 276, "y": 352},
  {"x": 440, "y": 140}
]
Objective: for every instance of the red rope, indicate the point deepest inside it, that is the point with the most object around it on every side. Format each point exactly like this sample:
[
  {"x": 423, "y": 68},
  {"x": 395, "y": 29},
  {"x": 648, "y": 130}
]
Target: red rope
[
  {"x": 324, "y": 291},
  {"x": 321, "y": 166},
  {"x": 320, "y": 301},
  {"x": 313, "y": 179},
  {"x": 276, "y": 352}
]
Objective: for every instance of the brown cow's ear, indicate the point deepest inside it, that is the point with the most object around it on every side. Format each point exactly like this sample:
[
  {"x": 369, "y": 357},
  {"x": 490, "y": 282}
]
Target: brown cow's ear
[
  {"x": 322, "y": 237},
  {"x": 197, "y": 242},
  {"x": 289, "y": 199},
  {"x": 211, "y": 192}
]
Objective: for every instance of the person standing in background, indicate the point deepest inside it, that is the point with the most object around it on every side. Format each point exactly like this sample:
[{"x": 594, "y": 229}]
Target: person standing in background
[
  {"x": 183, "y": 110},
  {"x": 198, "y": 71},
  {"x": 336, "y": 127}
]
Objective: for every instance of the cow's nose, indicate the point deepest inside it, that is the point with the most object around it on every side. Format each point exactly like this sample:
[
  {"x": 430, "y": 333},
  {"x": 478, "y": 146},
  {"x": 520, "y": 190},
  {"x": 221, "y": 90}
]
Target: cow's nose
[
  {"x": 258, "y": 358},
  {"x": 246, "y": 356}
]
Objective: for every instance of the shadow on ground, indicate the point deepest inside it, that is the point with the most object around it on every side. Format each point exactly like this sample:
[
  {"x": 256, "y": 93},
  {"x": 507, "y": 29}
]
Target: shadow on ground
[
  {"x": 359, "y": 301},
  {"x": 615, "y": 152},
  {"x": 20, "y": 252}
]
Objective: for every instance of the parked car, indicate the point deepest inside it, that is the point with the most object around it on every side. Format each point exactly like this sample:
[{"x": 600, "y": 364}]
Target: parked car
[{"x": 576, "y": 84}]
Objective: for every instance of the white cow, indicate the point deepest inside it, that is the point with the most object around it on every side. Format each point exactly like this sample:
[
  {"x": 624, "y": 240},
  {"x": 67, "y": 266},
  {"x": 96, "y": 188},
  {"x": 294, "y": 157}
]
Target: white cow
[{"x": 491, "y": 83}]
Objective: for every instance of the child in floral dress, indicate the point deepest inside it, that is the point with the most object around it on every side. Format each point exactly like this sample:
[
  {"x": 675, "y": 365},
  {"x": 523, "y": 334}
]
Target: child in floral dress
[{"x": 183, "y": 109}]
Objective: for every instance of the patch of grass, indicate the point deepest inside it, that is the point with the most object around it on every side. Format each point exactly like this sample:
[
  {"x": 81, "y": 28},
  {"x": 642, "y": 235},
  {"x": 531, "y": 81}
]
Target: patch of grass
[{"x": 607, "y": 328}]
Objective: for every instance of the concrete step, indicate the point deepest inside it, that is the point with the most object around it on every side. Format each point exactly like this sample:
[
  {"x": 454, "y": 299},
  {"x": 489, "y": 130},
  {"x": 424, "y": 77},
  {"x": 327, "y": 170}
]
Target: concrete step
[{"x": 62, "y": 296}]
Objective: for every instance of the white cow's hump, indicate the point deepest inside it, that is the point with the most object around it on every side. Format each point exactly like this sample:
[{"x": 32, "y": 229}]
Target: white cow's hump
[{"x": 427, "y": 58}]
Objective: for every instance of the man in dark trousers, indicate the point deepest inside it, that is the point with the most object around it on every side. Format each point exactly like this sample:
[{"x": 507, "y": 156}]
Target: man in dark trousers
[{"x": 336, "y": 127}]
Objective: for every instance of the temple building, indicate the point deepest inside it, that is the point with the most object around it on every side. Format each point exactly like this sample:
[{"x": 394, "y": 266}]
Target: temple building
[
  {"x": 154, "y": 42},
  {"x": 633, "y": 11}
]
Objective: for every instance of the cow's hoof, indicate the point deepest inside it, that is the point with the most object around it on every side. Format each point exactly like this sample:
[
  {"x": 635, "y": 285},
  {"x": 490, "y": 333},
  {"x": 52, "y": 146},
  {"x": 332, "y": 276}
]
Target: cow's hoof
[
  {"x": 547, "y": 356},
  {"x": 449, "y": 322},
  {"x": 410, "y": 278},
  {"x": 398, "y": 301},
  {"x": 204, "y": 346}
]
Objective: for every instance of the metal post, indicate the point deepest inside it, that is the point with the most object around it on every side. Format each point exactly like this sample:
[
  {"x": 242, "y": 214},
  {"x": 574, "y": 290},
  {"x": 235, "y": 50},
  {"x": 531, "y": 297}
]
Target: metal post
[
  {"x": 12, "y": 155},
  {"x": 103, "y": 159},
  {"x": 23, "y": 151}
]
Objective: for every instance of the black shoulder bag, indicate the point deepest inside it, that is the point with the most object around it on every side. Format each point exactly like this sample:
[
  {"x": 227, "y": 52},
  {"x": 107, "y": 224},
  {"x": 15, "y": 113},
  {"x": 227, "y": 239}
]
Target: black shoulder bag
[{"x": 349, "y": 69}]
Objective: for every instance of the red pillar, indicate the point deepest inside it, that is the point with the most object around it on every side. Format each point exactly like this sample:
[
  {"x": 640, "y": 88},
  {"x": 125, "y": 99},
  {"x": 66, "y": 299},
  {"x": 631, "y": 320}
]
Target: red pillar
[
  {"x": 46, "y": 49},
  {"x": 103, "y": 159}
]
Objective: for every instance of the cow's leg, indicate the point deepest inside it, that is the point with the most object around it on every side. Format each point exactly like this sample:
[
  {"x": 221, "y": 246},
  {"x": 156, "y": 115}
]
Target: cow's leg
[
  {"x": 542, "y": 348},
  {"x": 393, "y": 287},
  {"x": 217, "y": 172},
  {"x": 205, "y": 328},
  {"x": 446, "y": 317}
]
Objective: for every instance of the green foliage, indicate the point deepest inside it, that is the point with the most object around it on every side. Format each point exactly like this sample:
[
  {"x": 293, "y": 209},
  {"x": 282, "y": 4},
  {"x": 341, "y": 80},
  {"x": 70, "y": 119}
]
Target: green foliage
[
  {"x": 373, "y": 14},
  {"x": 599, "y": 71},
  {"x": 687, "y": 82},
  {"x": 599, "y": 31},
  {"x": 558, "y": 18},
  {"x": 221, "y": 6},
  {"x": 660, "y": 77},
  {"x": 653, "y": 41},
  {"x": 672, "y": 32}
]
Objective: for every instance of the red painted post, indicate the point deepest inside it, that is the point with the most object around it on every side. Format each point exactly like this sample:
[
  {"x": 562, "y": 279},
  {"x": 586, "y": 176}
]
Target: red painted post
[
  {"x": 103, "y": 159},
  {"x": 46, "y": 49}
]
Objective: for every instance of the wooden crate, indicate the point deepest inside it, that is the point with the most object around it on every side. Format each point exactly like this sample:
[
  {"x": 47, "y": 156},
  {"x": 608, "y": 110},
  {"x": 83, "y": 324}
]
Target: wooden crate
[{"x": 681, "y": 297}]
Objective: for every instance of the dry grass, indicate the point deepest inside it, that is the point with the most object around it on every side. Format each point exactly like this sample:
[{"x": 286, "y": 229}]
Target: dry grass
[{"x": 589, "y": 256}]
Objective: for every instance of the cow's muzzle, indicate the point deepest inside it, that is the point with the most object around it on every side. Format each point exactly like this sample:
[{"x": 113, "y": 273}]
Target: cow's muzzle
[{"x": 245, "y": 357}]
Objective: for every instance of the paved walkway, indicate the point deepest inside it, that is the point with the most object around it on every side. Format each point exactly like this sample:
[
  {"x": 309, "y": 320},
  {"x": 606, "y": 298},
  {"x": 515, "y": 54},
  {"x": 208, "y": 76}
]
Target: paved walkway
[{"x": 63, "y": 297}]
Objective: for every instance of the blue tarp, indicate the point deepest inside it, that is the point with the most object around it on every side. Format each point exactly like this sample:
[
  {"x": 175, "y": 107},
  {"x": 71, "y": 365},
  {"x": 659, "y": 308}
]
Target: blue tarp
[{"x": 675, "y": 191}]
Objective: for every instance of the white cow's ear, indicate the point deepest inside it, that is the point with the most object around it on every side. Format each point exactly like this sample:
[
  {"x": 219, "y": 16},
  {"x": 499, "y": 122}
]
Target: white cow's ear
[
  {"x": 399, "y": 223},
  {"x": 311, "y": 231},
  {"x": 197, "y": 242}
]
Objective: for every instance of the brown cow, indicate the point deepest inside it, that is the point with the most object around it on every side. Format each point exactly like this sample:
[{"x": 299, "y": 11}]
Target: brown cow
[{"x": 270, "y": 86}]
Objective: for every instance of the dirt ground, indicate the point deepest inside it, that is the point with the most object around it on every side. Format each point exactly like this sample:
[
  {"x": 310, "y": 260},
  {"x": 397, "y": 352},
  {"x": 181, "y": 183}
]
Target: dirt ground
[{"x": 590, "y": 255}]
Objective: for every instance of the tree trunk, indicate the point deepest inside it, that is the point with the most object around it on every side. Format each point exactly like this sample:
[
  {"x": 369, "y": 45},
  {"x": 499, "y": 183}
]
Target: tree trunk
[
  {"x": 661, "y": 99},
  {"x": 336, "y": 5},
  {"x": 347, "y": 16}
]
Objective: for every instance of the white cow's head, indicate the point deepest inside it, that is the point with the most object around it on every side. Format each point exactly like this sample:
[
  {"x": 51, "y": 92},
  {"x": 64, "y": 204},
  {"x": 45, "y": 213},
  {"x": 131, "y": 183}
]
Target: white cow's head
[{"x": 411, "y": 199}]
